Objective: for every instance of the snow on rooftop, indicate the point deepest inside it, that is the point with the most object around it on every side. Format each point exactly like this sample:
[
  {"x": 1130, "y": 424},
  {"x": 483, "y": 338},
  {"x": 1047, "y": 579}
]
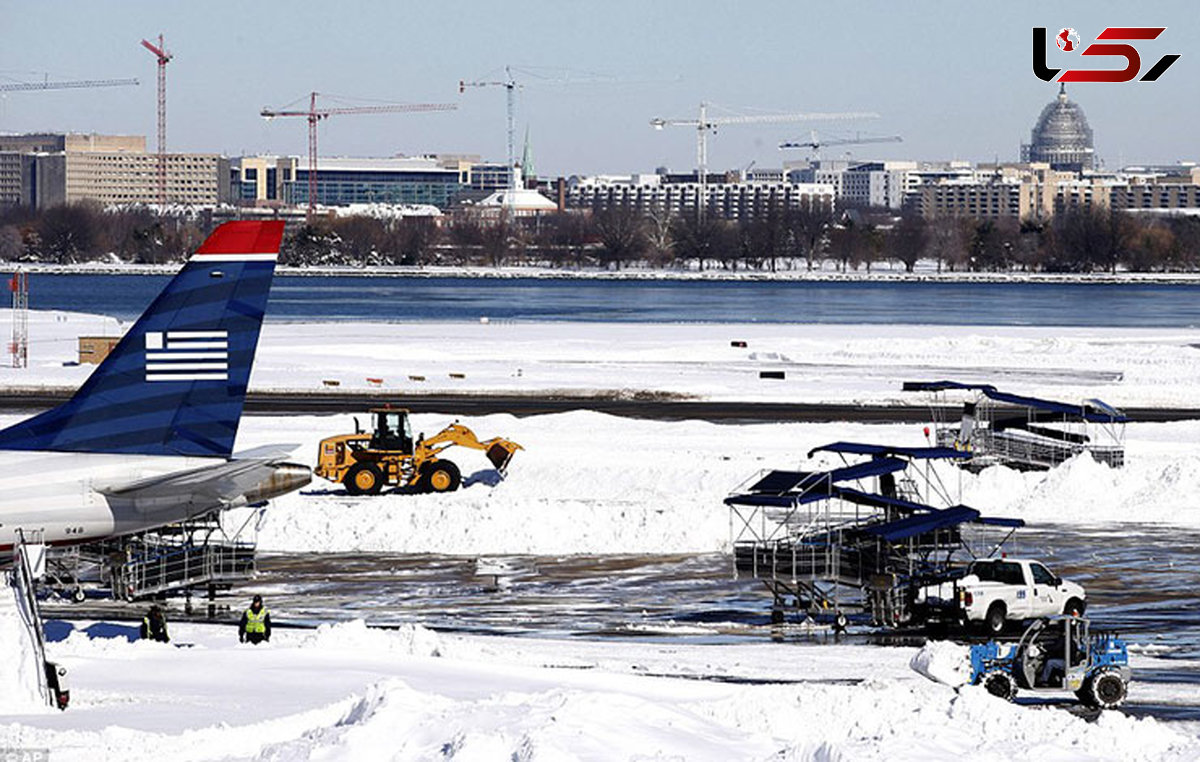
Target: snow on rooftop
[{"x": 521, "y": 199}]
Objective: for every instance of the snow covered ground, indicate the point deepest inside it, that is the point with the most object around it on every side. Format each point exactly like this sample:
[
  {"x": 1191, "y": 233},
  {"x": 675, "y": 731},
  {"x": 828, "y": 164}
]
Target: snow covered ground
[
  {"x": 592, "y": 483},
  {"x": 345, "y": 692},
  {"x": 822, "y": 363}
]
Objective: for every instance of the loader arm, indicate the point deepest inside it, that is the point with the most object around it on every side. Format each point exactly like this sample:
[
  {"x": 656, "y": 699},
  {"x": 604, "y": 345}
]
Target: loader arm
[{"x": 498, "y": 449}]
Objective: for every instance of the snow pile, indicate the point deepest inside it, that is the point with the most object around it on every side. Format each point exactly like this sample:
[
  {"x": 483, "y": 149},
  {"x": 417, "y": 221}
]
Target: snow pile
[
  {"x": 943, "y": 661},
  {"x": 19, "y": 669},
  {"x": 594, "y": 483},
  {"x": 407, "y": 639},
  {"x": 888, "y": 720},
  {"x": 343, "y": 694}
]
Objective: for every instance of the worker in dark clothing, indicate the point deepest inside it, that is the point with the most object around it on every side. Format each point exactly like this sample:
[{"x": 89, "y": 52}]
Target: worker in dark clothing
[
  {"x": 154, "y": 626},
  {"x": 256, "y": 623}
]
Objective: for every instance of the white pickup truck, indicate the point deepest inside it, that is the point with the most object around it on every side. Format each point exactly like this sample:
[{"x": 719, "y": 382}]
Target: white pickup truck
[{"x": 994, "y": 592}]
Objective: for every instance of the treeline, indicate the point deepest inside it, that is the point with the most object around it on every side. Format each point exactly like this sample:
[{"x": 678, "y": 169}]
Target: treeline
[{"x": 1075, "y": 241}]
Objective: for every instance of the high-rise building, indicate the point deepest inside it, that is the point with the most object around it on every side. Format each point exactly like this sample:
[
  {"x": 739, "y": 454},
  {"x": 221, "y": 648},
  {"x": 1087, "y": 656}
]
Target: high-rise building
[{"x": 58, "y": 168}]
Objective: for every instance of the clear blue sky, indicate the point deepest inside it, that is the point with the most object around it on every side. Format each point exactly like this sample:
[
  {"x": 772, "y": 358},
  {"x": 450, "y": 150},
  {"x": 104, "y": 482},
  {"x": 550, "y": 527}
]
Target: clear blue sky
[{"x": 953, "y": 78}]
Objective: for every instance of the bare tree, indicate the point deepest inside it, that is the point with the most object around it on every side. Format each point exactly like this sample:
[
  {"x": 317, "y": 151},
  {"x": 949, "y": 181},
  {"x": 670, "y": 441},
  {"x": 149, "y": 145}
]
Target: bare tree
[
  {"x": 68, "y": 232},
  {"x": 702, "y": 241},
  {"x": 622, "y": 234},
  {"x": 660, "y": 244},
  {"x": 909, "y": 240},
  {"x": 949, "y": 239},
  {"x": 12, "y": 246},
  {"x": 810, "y": 223}
]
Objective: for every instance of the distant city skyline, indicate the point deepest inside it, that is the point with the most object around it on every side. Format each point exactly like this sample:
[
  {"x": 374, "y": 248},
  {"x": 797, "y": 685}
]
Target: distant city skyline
[{"x": 954, "y": 80}]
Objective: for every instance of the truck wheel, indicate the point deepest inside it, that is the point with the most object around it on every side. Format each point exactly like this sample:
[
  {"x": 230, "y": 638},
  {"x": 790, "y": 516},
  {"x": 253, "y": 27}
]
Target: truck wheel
[
  {"x": 994, "y": 622},
  {"x": 1000, "y": 684},
  {"x": 363, "y": 479},
  {"x": 1105, "y": 690},
  {"x": 1074, "y": 607},
  {"x": 442, "y": 476}
]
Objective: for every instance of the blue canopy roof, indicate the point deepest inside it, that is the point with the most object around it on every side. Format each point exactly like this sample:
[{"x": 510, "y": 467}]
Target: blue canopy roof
[
  {"x": 922, "y": 523},
  {"x": 879, "y": 501},
  {"x": 785, "y": 488},
  {"x": 861, "y": 448},
  {"x": 1090, "y": 411}
]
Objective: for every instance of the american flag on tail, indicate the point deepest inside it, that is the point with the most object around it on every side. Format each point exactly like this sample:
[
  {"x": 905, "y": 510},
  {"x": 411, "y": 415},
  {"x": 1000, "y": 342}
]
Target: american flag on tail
[{"x": 187, "y": 356}]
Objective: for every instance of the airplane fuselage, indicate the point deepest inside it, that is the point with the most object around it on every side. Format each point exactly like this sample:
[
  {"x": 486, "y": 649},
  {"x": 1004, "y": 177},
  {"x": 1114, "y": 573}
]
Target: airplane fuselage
[{"x": 57, "y": 495}]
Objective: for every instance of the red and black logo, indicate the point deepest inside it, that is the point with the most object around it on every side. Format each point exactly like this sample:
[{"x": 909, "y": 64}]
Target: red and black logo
[{"x": 1067, "y": 40}]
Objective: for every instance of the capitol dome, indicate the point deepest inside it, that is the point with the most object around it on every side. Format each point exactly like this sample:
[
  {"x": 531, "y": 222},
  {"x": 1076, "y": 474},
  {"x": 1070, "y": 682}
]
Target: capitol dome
[{"x": 1061, "y": 136}]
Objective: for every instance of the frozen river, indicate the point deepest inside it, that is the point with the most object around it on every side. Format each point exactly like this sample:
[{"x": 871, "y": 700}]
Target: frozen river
[{"x": 323, "y": 298}]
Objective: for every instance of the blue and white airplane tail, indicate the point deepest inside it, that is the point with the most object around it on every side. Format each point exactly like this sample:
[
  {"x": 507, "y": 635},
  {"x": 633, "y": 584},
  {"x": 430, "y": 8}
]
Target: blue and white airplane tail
[{"x": 176, "y": 383}]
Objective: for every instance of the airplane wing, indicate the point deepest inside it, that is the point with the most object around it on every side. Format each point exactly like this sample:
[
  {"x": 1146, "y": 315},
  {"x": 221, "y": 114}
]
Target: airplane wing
[{"x": 218, "y": 485}]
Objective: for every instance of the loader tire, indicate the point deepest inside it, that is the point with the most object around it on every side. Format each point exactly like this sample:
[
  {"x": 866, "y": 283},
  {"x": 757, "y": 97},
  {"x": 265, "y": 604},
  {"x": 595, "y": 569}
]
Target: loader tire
[
  {"x": 1000, "y": 684},
  {"x": 363, "y": 479},
  {"x": 442, "y": 476},
  {"x": 1105, "y": 690}
]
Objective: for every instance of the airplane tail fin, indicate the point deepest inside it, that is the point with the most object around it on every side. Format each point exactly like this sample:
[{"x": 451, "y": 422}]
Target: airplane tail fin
[{"x": 176, "y": 382}]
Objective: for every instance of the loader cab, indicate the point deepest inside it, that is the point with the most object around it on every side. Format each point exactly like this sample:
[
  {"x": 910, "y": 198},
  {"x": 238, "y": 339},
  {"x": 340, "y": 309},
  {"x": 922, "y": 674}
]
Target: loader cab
[{"x": 393, "y": 432}]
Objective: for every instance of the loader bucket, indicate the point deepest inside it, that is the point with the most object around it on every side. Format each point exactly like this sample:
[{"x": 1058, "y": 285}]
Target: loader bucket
[{"x": 500, "y": 454}]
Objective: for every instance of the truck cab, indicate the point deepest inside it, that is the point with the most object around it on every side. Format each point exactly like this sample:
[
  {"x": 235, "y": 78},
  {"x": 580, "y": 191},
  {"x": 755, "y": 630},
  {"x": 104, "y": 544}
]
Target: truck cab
[{"x": 997, "y": 591}]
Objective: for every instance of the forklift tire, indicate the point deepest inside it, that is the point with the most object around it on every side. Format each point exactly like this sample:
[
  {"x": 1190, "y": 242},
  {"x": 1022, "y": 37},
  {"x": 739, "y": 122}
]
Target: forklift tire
[
  {"x": 1000, "y": 684},
  {"x": 363, "y": 479},
  {"x": 1105, "y": 690},
  {"x": 441, "y": 476},
  {"x": 993, "y": 623}
]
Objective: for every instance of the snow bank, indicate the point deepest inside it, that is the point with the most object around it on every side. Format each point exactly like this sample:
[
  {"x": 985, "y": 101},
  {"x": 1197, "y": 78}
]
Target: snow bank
[
  {"x": 593, "y": 483},
  {"x": 943, "y": 661},
  {"x": 19, "y": 669},
  {"x": 407, "y": 639},
  {"x": 348, "y": 693}
]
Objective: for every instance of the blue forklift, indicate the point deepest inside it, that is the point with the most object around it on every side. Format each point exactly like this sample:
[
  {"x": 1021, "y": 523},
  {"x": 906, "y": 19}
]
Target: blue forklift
[{"x": 1056, "y": 654}]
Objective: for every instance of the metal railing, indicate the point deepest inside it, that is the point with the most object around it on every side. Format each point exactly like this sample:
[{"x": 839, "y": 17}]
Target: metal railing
[
  {"x": 23, "y": 585},
  {"x": 167, "y": 567}
]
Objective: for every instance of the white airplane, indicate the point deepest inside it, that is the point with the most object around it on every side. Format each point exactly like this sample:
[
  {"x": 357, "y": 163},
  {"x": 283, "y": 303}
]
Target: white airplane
[{"x": 148, "y": 439}]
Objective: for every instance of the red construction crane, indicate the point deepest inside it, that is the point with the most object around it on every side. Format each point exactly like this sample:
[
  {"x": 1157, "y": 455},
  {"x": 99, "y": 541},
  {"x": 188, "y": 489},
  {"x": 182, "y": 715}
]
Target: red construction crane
[
  {"x": 160, "y": 52},
  {"x": 314, "y": 115}
]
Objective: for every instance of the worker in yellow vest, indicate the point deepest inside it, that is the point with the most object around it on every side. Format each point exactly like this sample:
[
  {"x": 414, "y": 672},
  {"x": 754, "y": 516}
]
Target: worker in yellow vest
[
  {"x": 154, "y": 626},
  {"x": 256, "y": 623}
]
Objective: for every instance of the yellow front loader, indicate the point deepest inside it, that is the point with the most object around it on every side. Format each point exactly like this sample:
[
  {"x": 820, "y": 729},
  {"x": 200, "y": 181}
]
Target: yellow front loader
[{"x": 390, "y": 455}]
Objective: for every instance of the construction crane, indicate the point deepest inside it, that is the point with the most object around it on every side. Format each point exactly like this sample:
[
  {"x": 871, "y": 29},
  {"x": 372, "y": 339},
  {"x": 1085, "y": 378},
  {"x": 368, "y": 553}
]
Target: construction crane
[
  {"x": 706, "y": 124},
  {"x": 160, "y": 53},
  {"x": 16, "y": 87},
  {"x": 815, "y": 142},
  {"x": 314, "y": 115},
  {"x": 510, "y": 85}
]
